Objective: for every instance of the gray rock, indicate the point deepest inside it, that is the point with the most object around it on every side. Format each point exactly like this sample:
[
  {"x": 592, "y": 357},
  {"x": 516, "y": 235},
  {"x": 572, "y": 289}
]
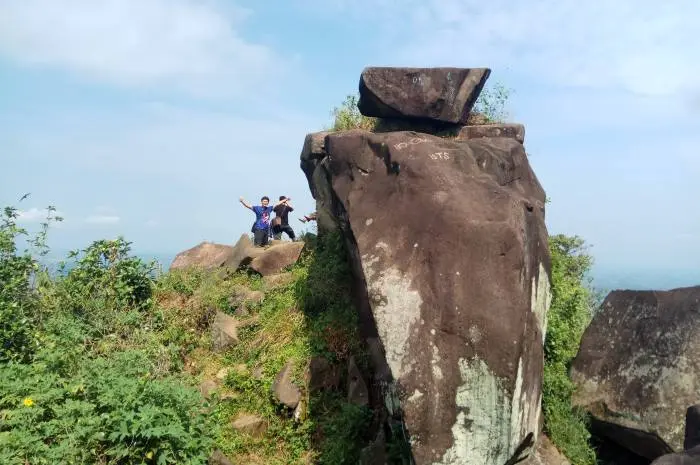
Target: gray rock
[
  {"x": 251, "y": 425},
  {"x": 284, "y": 390},
  {"x": 357, "y": 388},
  {"x": 224, "y": 331},
  {"x": 638, "y": 367}
]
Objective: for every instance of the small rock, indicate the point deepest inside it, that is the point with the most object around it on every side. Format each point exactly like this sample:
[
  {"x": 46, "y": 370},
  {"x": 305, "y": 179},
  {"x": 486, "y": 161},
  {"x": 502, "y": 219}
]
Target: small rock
[
  {"x": 207, "y": 387},
  {"x": 258, "y": 373},
  {"x": 321, "y": 375},
  {"x": 277, "y": 280},
  {"x": 251, "y": 425},
  {"x": 357, "y": 389},
  {"x": 222, "y": 374},
  {"x": 375, "y": 452},
  {"x": 689, "y": 457},
  {"x": 545, "y": 453},
  {"x": 300, "y": 411},
  {"x": 218, "y": 458},
  {"x": 224, "y": 331},
  {"x": 692, "y": 427},
  {"x": 284, "y": 390}
]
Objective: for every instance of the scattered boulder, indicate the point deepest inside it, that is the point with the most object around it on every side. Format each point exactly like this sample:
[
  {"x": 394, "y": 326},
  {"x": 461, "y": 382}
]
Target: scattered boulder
[
  {"x": 638, "y": 368},
  {"x": 207, "y": 388},
  {"x": 546, "y": 454},
  {"x": 357, "y": 389},
  {"x": 243, "y": 299},
  {"x": 274, "y": 281},
  {"x": 441, "y": 94},
  {"x": 513, "y": 131},
  {"x": 218, "y": 458},
  {"x": 206, "y": 255},
  {"x": 251, "y": 425},
  {"x": 243, "y": 253},
  {"x": 276, "y": 258},
  {"x": 322, "y": 375},
  {"x": 448, "y": 246},
  {"x": 283, "y": 389},
  {"x": 224, "y": 331}
]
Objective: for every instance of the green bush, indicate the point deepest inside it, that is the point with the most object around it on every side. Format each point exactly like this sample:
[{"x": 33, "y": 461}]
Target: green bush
[
  {"x": 106, "y": 410},
  {"x": 569, "y": 314},
  {"x": 18, "y": 302}
]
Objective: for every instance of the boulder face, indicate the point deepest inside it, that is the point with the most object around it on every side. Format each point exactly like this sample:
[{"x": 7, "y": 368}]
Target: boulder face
[
  {"x": 449, "y": 248},
  {"x": 638, "y": 367},
  {"x": 440, "y": 94},
  {"x": 205, "y": 255}
]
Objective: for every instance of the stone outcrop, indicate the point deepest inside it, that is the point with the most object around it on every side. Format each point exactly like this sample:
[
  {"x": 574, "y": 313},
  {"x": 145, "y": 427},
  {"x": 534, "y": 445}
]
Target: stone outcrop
[
  {"x": 440, "y": 94},
  {"x": 205, "y": 255},
  {"x": 449, "y": 249},
  {"x": 218, "y": 458},
  {"x": 638, "y": 368}
]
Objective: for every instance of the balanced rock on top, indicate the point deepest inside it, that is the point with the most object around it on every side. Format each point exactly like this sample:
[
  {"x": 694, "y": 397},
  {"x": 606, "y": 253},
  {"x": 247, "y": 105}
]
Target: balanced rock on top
[{"x": 441, "y": 94}]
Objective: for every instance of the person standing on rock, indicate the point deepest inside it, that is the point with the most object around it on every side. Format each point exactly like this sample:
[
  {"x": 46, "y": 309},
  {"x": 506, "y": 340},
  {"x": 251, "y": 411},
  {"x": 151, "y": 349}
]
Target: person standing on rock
[
  {"x": 280, "y": 224},
  {"x": 261, "y": 227}
]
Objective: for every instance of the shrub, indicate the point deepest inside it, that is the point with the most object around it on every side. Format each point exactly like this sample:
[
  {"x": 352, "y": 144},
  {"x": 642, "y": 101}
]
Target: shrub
[
  {"x": 568, "y": 316},
  {"x": 107, "y": 410},
  {"x": 17, "y": 301}
]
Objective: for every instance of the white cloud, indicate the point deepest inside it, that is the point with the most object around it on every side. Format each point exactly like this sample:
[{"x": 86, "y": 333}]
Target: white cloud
[
  {"x": 102, "y": 219},
  {"x": 187, "y": 44},
  {"x": 641, "y": 46},
  {"x": 33, "y": 215}
]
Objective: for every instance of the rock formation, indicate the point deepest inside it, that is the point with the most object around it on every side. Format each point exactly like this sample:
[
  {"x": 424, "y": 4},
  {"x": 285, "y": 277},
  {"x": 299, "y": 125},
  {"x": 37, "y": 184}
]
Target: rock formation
[
  {"x": 638, "y": 368},
  {"x": 449, "y": 249}
]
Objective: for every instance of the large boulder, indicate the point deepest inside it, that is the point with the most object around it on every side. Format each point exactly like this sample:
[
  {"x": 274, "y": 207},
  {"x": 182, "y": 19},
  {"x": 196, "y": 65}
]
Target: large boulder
[
  {"x": 449, "y": 251},
  {"x": 206, "y": 255},
  {"x": 638, "y": 368},
  {"x": 224, "y": 331},
  {"x": 441, "y": 94}
]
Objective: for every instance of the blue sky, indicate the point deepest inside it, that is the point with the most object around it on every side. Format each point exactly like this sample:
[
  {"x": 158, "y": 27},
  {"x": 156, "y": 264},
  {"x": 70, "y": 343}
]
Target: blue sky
[{"x": 149, "y": 118}]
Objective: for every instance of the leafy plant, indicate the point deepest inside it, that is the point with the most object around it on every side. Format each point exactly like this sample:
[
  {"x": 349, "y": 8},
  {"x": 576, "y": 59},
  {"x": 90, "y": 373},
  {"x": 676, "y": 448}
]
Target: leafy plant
[
  {"x": 569, "y": 314},
  {"x": 107, "y": 410},
  {"x": 17, "y": 300},
  {"x": 491, "y": 103},
  {"x": 348, "y": 116}
]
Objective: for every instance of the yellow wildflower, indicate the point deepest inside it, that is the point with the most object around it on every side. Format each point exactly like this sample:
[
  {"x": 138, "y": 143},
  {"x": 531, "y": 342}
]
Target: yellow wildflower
[
  {"x": 28, "y": 402},
  {"x": 149, "y": 455}
]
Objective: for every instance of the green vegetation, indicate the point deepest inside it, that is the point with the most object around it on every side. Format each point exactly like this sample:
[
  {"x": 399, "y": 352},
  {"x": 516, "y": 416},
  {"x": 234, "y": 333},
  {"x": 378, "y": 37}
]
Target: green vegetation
[
  {"x": 101, "y": 364},
  {"x": 569, "y": 314}
]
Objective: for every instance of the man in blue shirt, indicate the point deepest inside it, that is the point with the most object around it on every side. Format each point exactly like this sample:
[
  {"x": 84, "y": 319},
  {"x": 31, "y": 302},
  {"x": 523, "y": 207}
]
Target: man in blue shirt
[{"x": 261, "y": 227}]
